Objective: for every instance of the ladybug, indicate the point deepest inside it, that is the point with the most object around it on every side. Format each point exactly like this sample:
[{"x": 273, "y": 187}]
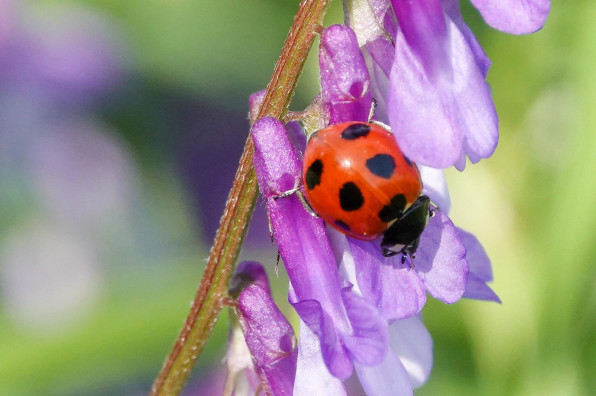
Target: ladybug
[{"x": 359, "y": 182}]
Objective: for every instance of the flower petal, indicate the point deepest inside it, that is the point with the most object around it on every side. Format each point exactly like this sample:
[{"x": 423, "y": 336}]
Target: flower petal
[
  {"x": 477, "y": 289},
  {"x": 422, "y": 25},
  {"x": 440, "y": 260},
  {"x": 344, "y": 76},
  {"x": 397, "y": 292},
  {"x": 388, "y": 378},
  {"x": 268, "y": 334},
  {"x": 480, "y": 269},
  {"x": 476, "y": 256},
  {"x": 436, "y": 114},
  {"x": 412, "y": 343},
  {"x": 514, "y": 16},
  {"x": 335, "y": 355},
  {"x": 312, "y": 376},
  {"x": 368, "y": 342},
  {"x": 452, "y": 10}
]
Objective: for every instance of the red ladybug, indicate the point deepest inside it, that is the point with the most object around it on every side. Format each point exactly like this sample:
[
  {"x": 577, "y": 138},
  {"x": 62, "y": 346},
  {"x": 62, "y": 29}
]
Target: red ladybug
[{"x": 359, "y": 182}]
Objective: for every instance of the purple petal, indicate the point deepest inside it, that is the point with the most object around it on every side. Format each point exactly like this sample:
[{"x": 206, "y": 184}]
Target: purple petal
[
  {"x": 422, "y": 24},
  {"x": 435, "y": 186},
  {"x": 382, "y": 52},
  {"x": 438, "y": 114},
  {"x": 477, "y": 289},
  {"x": 480, "y": 269},
  {"x": 344, "y": 76},
  {"x": 269, "y": 336},
  {"x": 440, "y": 260},
  {"x": 397, "y": 292},
  {"x": 452, "y": 9},
  {"x": 277, "y": 161},
  {"x": 388, "y": 378},
  {"x": 248, "y": 273},
  {"x": 476, "y": 256},
  {"x": 368, "y": 342},
  {"x": 312, "y": 376},
  {"x": 335, "y": 356},
  {"x": 514, "y": 16},
  {"x": 412, "y": 343}
]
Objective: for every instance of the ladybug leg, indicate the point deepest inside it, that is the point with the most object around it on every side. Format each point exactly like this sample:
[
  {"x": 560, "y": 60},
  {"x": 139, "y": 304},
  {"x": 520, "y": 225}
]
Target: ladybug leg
[
  {"x": 371, "y": 114},
  {"x": 306, "y": 205},
  {"x": 277, "y": 263},
  {"x": 373, "y": 108},
  {"x": 296, "y": 190},
  {"x": 287, "y": 193},
  {"x": 270, "y": 228}
]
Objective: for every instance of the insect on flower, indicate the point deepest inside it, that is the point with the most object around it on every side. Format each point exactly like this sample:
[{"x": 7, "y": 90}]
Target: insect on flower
[{"x": 359, "y": 182}]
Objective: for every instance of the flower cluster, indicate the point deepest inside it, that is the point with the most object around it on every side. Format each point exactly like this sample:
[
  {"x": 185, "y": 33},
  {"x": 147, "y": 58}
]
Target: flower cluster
[{"x": 360, "y": 311}]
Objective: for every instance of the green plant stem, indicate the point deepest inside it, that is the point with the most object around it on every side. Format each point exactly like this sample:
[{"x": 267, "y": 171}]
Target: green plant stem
[{"x": 212, "y": 290}]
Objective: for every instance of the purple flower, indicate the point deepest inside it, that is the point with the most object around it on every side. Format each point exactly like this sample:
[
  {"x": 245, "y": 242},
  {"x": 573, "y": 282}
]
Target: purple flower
[
  {"x": 338, "y": 326},
  {"x": 348, "y": 327},
  {"x": 440, "y": 268},
  {"x": 438, "y": 102},
  {"x": 397, "y": 289},
  {"x": 269, "y": 336},
  {"x": 365, "y": 316},
  {"x": 344, "y": 77}
]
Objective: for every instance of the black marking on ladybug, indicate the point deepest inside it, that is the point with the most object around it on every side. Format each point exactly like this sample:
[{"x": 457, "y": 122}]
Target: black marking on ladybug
[
  {"x": 381, "y": 165},
  {"x": 355, "y": 131},
  {"x": 350, "y": 197},
  {"x": 394, "y": 210},
  {"x": 313, "y": 174},
  {"x": 409, "y": 162},
  {"x": 342, "y": 225}
]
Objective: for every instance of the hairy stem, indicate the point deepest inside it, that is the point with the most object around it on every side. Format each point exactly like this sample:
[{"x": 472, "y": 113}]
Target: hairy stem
[{"x": 239, "y": 207}]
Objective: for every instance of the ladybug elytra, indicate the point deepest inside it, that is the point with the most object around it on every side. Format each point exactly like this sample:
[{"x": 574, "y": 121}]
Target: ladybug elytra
[{"x": 359, "y": 182}]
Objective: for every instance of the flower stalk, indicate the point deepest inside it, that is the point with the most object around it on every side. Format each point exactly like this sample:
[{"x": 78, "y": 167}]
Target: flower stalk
[{"x": 212, "y": 291}]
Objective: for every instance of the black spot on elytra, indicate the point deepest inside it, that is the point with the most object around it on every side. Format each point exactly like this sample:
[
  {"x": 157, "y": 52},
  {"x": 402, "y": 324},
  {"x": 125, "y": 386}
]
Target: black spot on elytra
[
  {"x": 381, "y": 165},
  {"x": 355, "y": 131},
  {"x": 394, "y": 210},
  {"x": 408, "y": 160},
  {"x": 342, "y": 225},
  {"x": 313, "y": 174},
  {"x": 350, "y": 197}
]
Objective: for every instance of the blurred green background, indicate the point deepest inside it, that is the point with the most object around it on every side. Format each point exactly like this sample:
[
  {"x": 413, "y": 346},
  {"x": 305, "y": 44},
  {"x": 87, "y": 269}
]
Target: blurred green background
[{"x": 121, "y": 124}]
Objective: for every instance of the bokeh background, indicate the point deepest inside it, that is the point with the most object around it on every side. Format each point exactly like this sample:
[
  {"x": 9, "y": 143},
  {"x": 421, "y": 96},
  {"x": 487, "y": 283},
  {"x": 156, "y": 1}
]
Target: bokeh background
[{"x": 121, "y": 125}]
